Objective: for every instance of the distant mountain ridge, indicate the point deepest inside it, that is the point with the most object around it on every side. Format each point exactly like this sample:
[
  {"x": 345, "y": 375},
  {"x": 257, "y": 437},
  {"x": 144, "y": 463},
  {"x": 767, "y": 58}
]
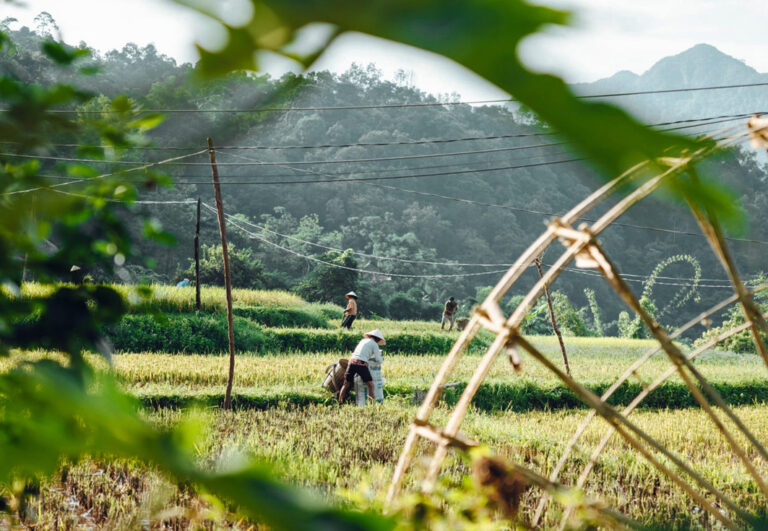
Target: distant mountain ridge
[{"x": 700, "y": 66}]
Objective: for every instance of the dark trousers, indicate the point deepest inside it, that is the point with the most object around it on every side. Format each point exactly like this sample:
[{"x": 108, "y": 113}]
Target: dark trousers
[{"x": 347, "y": 322}]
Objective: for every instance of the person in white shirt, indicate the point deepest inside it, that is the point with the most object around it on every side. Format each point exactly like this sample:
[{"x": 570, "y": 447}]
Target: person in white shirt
[{"x": 367, "y": 350}]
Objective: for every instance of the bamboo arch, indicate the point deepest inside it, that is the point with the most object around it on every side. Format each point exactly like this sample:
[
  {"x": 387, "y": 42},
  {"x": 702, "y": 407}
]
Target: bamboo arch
[{"x": 582, "y": 247}]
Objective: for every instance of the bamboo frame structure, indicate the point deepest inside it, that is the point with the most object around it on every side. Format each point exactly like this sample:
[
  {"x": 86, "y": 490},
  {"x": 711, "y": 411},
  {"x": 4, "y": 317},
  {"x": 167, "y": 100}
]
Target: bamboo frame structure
[{"x": 581, "y": 245}]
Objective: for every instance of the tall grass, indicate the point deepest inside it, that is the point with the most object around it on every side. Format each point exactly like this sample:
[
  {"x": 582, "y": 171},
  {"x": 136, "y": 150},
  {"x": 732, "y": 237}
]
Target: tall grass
[{"x": 339, "y": 450}]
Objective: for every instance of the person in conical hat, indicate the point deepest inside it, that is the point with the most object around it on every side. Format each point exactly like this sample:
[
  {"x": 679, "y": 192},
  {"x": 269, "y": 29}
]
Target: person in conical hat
[
  {"x": 350, "y": 312},
  {"x": 367, "y": 350}
]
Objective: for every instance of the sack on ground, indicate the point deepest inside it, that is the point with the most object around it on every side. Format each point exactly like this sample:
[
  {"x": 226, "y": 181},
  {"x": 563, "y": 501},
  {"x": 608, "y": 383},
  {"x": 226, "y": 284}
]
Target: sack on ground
[
  {"x": 361, "y": 390},
  {"x": 334, "y": 376}
]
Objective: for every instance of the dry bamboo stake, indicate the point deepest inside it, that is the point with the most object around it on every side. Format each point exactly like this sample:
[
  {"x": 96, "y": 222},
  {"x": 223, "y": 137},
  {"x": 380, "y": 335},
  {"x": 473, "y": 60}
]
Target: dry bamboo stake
[
  {"x": 227, "y": 279},
  {"x": 197, "y": 258},
  {"x": 552, "y": 318},
  {"x": 677, "y": 357},
  {"x": 619, "y": 422}
]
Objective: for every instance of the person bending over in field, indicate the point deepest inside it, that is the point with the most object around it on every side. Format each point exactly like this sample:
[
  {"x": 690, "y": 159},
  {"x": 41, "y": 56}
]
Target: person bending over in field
[
  {"x": 367, "y": 350},
  {"x": 449, "y": 313},
  {"x": 350, "y": 312}
]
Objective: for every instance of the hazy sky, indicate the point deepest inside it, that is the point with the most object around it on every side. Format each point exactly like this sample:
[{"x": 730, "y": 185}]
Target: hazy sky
[{"x": 606, "y": 36}]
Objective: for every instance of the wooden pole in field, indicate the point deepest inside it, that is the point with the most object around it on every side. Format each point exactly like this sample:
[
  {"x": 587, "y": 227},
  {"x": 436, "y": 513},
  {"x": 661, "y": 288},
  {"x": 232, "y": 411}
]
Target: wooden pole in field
[
  {"x": 227, "y": 280},
  {"x": 197, "y": 258},
  {"x": 552, "y": 317}
]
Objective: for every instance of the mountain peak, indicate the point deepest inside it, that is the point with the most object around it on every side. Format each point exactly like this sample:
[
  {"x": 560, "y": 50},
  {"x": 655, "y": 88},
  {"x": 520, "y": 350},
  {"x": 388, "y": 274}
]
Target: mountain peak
[
  {"x": 700, "y": 65},
  {"x": 702, "y": 48}
]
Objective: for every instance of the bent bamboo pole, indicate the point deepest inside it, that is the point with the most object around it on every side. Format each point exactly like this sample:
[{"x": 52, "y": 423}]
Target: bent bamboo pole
[
  {"x": 674, "y": 166},
  {"x": 558, "y": 227},
  {"x": 514, "y": 273}
]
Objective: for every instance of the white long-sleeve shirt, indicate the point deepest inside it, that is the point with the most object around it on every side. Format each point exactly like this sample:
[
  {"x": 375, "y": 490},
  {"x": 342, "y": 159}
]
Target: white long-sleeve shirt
[{"x": 367, "y": 350}]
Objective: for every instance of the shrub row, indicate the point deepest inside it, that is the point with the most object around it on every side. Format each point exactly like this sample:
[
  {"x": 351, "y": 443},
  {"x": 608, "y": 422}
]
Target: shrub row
[
  {"x": 333, "y": 340},
  {"x": 207, "y": 334},
  {"x": 670, "y": 395},
  {"x": 184, "y": 333},
  {"x": 239, "y": 401},
  {"x": 283, "y": 317},
  {"x": 519, "y": 398},
  {"x": 273, "y": 316}
]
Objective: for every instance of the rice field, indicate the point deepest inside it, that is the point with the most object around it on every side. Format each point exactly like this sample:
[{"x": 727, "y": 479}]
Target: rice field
[
  {"x": 346, "y": 454},
  {"x": 296, "y": 376}
]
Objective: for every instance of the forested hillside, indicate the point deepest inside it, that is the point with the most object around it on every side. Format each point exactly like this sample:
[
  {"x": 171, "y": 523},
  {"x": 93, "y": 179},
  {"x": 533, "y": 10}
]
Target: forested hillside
[{"x": 416, "y": 185}]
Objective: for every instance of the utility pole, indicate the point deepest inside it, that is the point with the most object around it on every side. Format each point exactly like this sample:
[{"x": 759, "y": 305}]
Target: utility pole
[
  {"x": 552, "y": 317},
  {"x": 227, "y": 280},
  {"x": 197, "y": 258}
]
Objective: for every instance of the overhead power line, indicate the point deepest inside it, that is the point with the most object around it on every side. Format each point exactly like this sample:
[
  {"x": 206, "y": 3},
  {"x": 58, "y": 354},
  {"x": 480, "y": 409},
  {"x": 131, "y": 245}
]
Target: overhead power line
[
  {"x": 379, "y": 171},
  {"x": 302, "y": 162},
  {"x": 688, "y": 282},
  {"x": 137, "y": 202},
  {"x": 362, "y": 179},
  {"x": 366, "y": 271},
  {"x": 545, "y": 213},
  {"x": 254, "y": 162},
  {"x": 285, "y": 164},
  {"x": 518, "y": 209},
  {"x": 672, "y": 91},
  {"x": 358, "y": 253},
  {"x": 407, "y": 105},
  {"x": 524, "y": 210},
  {"x": 104, "y": 175},
  {"x": 392, "y": 177},
  {"x": 712, "y": 119},
  {"x": 658, "y": 229}
]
